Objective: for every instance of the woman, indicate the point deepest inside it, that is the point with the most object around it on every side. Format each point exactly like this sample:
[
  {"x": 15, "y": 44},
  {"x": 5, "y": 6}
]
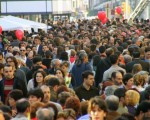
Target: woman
[
  {"x": 128, "y": 81},
  {"x": 60, "y": 74},
  {"x": 97, "y": 109},
  {"x": 139, "y": 82},
  {"x": 69, "y": 80},
  {"x": 132, "y": 98},
  {"x": 37, "y": 81},
  {"x": 80, "y": 66}
]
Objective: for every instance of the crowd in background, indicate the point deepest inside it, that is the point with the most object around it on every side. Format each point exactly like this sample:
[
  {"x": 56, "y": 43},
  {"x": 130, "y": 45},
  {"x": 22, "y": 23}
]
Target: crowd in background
[{"x": 79, "y": 70}]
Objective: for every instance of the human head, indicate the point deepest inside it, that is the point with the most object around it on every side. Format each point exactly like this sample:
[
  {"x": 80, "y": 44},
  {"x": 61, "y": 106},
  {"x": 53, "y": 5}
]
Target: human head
[
  {"x": 70, "y": 114},
  {"x": 112, "y": 102},
  {"x": 44, "y": 114},
  {"x": 23, "y": 106},
  {"x": 109, "y": 51},
  {"x": 142, "y": 111},
  {"x": 97, "y": 108},
  {"x": 59, "y": 73},
  {"x": 8, "y": 71},
  {"x": 64, "y": 66},
  {"x": 88, "y": 78},
  {"x": 1, "y": 68},
  {"x": 55, "y": 63},
  {"x": 139, "y": 80},
  {"x": 37, "y": 61},
  {"x": 136, "y": 68},
  {"x": 117, "y": 78},
  {"x": 46, "y": 92},
  {"x": 132, "y": 97},
  {"x": 39, "y": 77},
  {"x": 11, "y": 60},
  {"x": 37, "y": 40},
  {"x": 54, "y": 83},
  {"x": 128, "y": 80},
  {"x": 109, "y": 90},
  {"x": 1, "y": 57},
  {"x": 35, "y": 95},
  {"x": 114, "y": 59},
  {"x": 23, "y": 51},
  {"x": 74, "y": 103},
  {"x": 13, "y": 96},
  {"x": 147, "y": 53}
]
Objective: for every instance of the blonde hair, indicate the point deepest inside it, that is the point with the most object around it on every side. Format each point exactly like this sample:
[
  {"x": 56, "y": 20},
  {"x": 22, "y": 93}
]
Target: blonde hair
[
  {"x": 133, "y": 97},
  {"x": 48, "y": 77},
  {"x": 139, "y": 79}
]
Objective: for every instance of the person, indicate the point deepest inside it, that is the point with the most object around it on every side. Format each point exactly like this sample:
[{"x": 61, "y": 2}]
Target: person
[
  {"x": 128, "y": 81},
  {"x": 97, "y": 109},
  {"x": 87, "y": 89},
  {"x": 132, "y": 98},
  {"x": 60, "y": 74},
  {"x": 12, "y": 82},
  {"x": 114, "y": 59},
  {"x": 35, "y": 95},
  {"x": 120, "y": 93},
  {"x": 23, "y": 108},
  {"x": 37, "y": 81},
  {"x": 112, "y": 102},
  {"x": 69, "y": 80},
  {"x": 24, "y": 58},
  {"x": 147, "y": 55},
  {"x": 54, "y": 65},
  {"x": 137, "y": 60},
  {"x": 39, "y": 47},
  {"x": 1, "y": 115},
  {"x": 45, "y": 114},
  {"x": 80, "y": 66},
  {"x": 102, "y": 66},
  {"x": 13, "y": 96}
]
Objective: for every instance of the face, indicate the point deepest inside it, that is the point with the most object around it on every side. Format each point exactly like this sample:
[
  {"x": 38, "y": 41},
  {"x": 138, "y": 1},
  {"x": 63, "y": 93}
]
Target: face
[
  {"x": 38, "y": 63},
  {"x": 64, "y": 68},
  {"x": 90, "y": 80},
  {"x": 97, "y": 113},
  {"x": 59, "y": 74},
  {"x": 10, "y": 62},
  {"x": 28, "y": 50},
  {"x": 57, "y": 64},
  {"x": 45, "y": 48},
  {"x": 118, "y": 79},
  {"x": 12, "y": 102},
  {"x": 37, "y": 41},
  {"x": 47, "y": 94},
  {"x": 8, "y": 72},
  {"x": 33, "y": 99},
  {"x": 23, "y": 51},
  {"x": 130, "y": 83},
  {"x": 147, "y": 55},
  {"x": 39, "y": 78}
]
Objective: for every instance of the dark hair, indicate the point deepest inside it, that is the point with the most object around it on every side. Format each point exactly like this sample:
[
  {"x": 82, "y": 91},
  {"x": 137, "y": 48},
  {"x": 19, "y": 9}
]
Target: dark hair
[
  {"x": 147, "y": 93},
  {"x": 120, "y": 49},
  {"x": 85, "y": 74},
  {"x": 136, "y": 54},
  {"x": 14, "y": 60},
  {"x": 37, "y": 59},
  {"x": 143, "y": 107},
  {"x": 147, "y": 49},
  {"x": 113, "y": 75},
  {"x": 65, "y": 63},
  {"x": 93, "y": 47},
  {"x": 62, "y": 88},
  {"x": 1, "y": 66},
  {"x": 126, "y": 77},
  {"x": 48, "y": 54},
  {"x": 22, "y": 105},
  {"x": 34, "y": 78},
  {"x": 120, "y": 92},
  {"x": 96, "y": 60},
  {"x": 64, "y": 56},
  {"x": 102, "y": 49},
  {"x": 16, "y": 94},
  {"x": 53, "y": 81},
  {"x": 109, "y": 52},
  {"x": 1, "y": 54},
  {"x": 81, "y": 58},
  {"x": 36, "y": 92},
  {"x": 37, "y": 37},
  {"x": 6, "y": 109},
  {"x": 113, "y": 58},
  {"x": 59, "y": 70}
]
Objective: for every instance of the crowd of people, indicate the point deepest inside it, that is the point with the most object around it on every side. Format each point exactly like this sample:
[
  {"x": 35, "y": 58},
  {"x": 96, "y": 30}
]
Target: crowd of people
[{"x": 79, "y": 70}]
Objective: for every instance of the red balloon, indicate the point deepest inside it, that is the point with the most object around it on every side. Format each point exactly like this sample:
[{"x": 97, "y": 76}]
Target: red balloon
[
  {"x": 19, "y": 34},
  {"x": 1, "y": 30},
  {"x": 101, "y": 15},
  {"x": 104, "y": 21},
  {"x": 118, "y": 10}
]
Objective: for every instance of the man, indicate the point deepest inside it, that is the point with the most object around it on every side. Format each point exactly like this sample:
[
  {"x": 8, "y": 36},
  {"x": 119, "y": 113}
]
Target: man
[
  {"x": 54, "y": 65},
  {"x": 112, "y": 103},
  {"x": 23, "y": 108},
  {"x": 37, "y": 42},
  {"x": 54, "y": 84},
  {"x": 10, "y": 82},
  {"x": 45, "y": 114},
  {"x": 35, "y": 95},
  {"x": 44, "y": 49},
  {"x": 47, "y": 97},
  {"x": 120, "y": 93},
  {"x": 137, "y": 60},
  {"x": 87, "y": 90},
  {"x": 23, "y": 57},
  {"x": 117, "y": 77},
  {"x": 102, "y": 66},
  {"x": 114, "y": 59}
]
